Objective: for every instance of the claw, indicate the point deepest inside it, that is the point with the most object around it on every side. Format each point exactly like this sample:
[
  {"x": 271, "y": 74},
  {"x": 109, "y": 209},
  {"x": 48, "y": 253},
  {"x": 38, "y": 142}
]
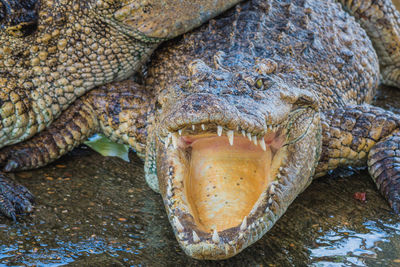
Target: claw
[
  {"x": 11, "y": 165},
  {"x": 14, "y": 198}
]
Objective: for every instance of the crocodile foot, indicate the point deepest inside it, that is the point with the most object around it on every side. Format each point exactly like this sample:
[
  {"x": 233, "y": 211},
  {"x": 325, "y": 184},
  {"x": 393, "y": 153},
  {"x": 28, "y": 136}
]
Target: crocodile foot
[
  {"x": 17, "y": 158},
  {"x": 14, "y": 198}
]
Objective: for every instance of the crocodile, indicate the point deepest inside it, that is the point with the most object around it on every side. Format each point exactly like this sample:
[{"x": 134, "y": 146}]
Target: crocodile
[
  {"x": 53, "y": 51},
  {"x": 235, "y": 119}
]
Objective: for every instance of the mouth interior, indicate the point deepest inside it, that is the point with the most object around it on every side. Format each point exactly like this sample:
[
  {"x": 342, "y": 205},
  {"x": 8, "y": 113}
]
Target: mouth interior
[{"x": 224, "y": 182}]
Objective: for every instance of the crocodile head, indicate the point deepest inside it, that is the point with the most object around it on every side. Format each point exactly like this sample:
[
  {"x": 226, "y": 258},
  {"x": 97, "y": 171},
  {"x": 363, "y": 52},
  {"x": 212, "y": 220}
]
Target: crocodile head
[{"x": 234, "y": 147}]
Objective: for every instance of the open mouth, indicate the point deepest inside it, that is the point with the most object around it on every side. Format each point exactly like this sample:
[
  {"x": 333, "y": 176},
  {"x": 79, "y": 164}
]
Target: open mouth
[{"x": 220, "y": 186}]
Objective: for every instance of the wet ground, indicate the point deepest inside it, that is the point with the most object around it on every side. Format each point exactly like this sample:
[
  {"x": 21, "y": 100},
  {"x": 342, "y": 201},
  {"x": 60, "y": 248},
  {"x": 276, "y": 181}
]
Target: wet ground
[{"x": 98, "y": 211}]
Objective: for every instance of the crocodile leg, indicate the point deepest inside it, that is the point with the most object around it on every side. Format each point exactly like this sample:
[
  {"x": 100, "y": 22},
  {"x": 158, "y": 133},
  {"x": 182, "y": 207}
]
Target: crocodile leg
[
  {"x": 72, "y": 128},
  {"x": 361, "y": 135},
  {"x": 118, "y": 110},
  {"x": 381, "y": 21}
]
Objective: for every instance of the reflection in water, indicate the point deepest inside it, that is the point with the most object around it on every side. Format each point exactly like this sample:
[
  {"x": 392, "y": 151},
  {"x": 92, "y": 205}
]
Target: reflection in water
[{"x": 344, "y": 246}]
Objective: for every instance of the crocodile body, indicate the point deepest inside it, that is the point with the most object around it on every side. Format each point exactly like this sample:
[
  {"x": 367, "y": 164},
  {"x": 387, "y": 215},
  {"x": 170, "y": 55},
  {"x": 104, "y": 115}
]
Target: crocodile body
[
  {"x": 236, "y": 119},
  {"x": 52, "y": 52}
]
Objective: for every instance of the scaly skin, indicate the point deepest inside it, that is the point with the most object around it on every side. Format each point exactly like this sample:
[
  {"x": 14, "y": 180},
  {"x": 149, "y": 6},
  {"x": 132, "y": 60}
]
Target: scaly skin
[
  {"x": 52, "y": 52},
  {"x": 295, "y": 78}
]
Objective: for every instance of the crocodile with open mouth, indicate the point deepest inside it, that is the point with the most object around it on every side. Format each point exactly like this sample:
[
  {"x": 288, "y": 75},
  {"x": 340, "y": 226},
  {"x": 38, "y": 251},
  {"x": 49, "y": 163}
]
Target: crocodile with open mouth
[{"x": 236, "y": 119}]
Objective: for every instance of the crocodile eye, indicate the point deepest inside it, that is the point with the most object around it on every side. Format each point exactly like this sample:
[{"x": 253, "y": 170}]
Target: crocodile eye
[
  {"x": 264, "y": 83},
  {"x": 259, "y": 84},
  {"x": 18, "y": 17}
]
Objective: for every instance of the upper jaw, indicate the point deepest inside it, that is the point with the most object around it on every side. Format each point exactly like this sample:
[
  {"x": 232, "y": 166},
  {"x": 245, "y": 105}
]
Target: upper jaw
[{"x": 202, "y": 243}]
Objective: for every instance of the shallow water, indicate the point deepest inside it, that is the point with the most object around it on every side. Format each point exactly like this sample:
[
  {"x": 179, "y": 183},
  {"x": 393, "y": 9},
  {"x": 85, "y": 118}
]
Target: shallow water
[{"x": 98, "y": 211}]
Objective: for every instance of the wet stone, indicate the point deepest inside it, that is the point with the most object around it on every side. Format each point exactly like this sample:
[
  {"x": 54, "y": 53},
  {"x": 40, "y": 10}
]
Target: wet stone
[{"x": 99, "y": 211}]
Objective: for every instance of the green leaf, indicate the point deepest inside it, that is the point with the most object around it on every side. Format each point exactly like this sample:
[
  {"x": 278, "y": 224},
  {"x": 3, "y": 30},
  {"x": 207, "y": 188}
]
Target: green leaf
[{"x": 105, "y": 147}]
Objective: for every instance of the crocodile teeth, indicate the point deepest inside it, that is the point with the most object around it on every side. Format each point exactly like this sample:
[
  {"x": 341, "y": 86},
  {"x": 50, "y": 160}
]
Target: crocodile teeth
[
  {"x": 254, "y": 139},
  {"x": 180, "y": 131},
  {"x": 169, "y": 189},
  {"x": 193, "y": 127},
  {"x": 243, "y": 133},
  {"x": 270, "y": 127},
  {"x": 226, "y": 248},
  {"x": 272, "y": 189},
  {"x": 219, "y": 130},
  {"x": 230, "y": 137},
  {"x": 243, "y": 226},
  {"x": 196, "y": 238},
  {"x": 175, "y": 140},
  {"x": 249, "y": 136},
  {"x": 167, "y": 140},
  {"x": 203, "y": 127},
  {"x": 178, "y": 225},
  {"x": 262, "y": 144},
  {"x": 215, "y": 237}
]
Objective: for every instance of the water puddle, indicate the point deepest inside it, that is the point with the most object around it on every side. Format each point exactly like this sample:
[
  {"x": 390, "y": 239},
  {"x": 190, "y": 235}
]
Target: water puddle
[{"x": 344, "y": 246}]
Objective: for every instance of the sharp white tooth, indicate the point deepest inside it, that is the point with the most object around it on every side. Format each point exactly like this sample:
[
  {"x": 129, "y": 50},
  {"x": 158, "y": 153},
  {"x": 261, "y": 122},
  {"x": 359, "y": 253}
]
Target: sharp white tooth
[
  {"x": 272, "y": 189},
  {"x": 243, "y": 226},
  {"x": 196, "y": 238},
  {"x": 243, "y": 133},
  {"x": 167, "y": 140},
  {"x": 230, "y": 135},
  {"x": 178, "y": 225},
  {"x": 270, "y": 201},
  {"x": 219, "y": 130},
  {"x": 262, "y": 144},
  {"x": 193, "y": 127},
  {"x": 241, "y": 234},
  {"x": 169, "y": 189},
  {"x": 180, "y": 131},
  {"x": 203, "y": 127},
  {"x": 279, "y": 176},
  {"x": 254, "y": 139},
  {"x": 267, "y": 210},
  {"x": 280, "y": 168},
  {"x": 215, "y": 237},
  {"x": 249, "y": 136},
  {"x": 175, "y": 140}
]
